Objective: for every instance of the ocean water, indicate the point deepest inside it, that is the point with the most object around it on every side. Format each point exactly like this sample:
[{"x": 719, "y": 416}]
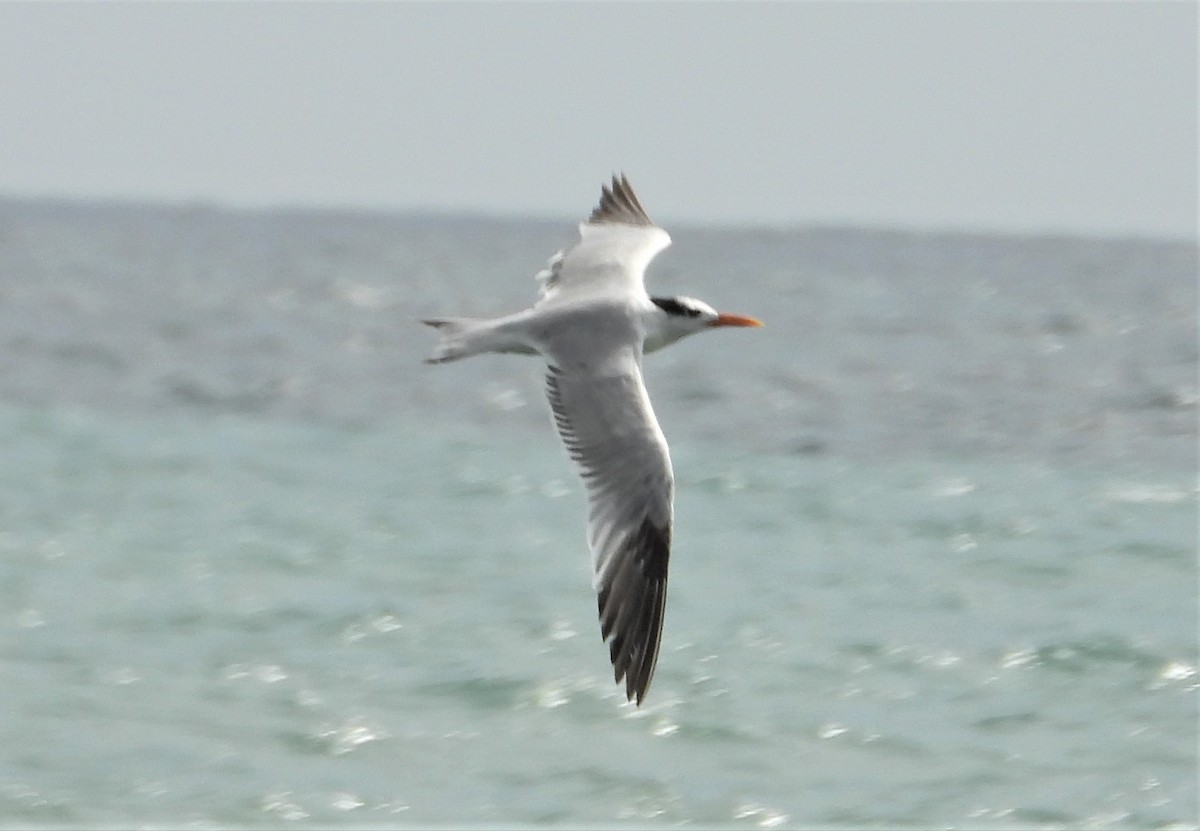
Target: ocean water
[{"x": 935, "y": 559}]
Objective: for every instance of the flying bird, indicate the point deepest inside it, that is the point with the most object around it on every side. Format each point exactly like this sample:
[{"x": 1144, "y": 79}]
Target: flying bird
[{"x": 592, "y": 323}]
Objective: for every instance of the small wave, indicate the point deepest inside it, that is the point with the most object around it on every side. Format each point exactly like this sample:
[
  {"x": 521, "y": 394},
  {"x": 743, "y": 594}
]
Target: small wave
[
  {"x": 1142, "y": 493},
  {"x": 1080, "y": 657}
]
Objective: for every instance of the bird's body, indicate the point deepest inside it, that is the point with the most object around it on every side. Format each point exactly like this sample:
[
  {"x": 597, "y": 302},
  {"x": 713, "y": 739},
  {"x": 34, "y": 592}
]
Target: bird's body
[{"x": 592, "y": 324}]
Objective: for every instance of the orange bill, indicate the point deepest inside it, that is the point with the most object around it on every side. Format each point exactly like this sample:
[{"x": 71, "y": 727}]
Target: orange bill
[{"x": 735, "y": 320}]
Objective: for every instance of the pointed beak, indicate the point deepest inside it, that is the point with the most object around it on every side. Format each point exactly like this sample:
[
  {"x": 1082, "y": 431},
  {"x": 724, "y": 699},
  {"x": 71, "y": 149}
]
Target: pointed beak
[{"x": 735, "y": 320}]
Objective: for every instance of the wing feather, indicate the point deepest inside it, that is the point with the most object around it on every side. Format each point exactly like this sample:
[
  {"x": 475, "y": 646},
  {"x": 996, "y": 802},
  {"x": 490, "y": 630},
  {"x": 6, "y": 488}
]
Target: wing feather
[
  {"x": 619, "y": 205},
  {"x": 607, "y": 425},
  {"x": 615, "y": 245}
]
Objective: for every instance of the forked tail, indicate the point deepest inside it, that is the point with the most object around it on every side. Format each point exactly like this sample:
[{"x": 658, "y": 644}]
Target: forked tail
[
  {"x": 456, "y": 341},
  {"x": 466, "y": 336}
]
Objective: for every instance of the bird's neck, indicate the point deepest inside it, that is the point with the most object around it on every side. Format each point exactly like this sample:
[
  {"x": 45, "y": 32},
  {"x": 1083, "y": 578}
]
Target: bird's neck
[{"x": 660, "y": 329}]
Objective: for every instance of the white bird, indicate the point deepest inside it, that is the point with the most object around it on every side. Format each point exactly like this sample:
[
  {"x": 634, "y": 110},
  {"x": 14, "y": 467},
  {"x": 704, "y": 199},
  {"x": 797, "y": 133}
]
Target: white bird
[{"x": 592, "y": 323}]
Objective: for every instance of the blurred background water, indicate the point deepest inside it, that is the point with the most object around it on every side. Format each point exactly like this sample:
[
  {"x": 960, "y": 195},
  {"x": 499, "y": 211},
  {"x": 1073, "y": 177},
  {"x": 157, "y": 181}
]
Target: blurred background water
[{"x": 935, "y": 557}]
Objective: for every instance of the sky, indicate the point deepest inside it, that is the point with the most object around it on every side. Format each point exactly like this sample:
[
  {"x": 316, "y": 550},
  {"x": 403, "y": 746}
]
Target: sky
[{"x": 1055, "y": 117}]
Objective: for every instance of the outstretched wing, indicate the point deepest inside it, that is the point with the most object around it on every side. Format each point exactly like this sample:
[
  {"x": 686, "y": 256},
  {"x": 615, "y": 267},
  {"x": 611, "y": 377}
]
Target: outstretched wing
[
  {"x": 615, "y": 245},
  {"x": 605, "y": 420}
]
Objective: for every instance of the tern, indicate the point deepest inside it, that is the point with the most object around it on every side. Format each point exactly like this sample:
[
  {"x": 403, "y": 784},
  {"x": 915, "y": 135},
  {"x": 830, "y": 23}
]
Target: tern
[{"x": 592, "y": 323}]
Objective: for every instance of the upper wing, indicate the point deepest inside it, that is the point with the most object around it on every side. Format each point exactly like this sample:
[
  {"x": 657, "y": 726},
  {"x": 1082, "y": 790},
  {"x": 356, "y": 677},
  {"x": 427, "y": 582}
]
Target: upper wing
[
  {"x": 615, "y": 245},
  {"x": 608, "y": 426}
]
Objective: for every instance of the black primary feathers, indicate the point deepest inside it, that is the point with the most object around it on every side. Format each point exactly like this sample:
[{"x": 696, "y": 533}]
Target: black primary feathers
[
  {"x": 632, "y": 603},
  {"x": 619, "y": 205}
]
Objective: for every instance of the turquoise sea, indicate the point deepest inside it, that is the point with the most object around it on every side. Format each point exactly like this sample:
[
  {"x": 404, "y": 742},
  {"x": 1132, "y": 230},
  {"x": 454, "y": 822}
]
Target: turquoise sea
[{"x": 935, "y": 558}]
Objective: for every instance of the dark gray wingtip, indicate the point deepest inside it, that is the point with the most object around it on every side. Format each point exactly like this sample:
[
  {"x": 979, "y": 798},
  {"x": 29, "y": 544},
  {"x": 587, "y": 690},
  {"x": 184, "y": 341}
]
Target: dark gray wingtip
[
  {"x": 632, "y": 604},
  {"x": 619, "y": 205}
]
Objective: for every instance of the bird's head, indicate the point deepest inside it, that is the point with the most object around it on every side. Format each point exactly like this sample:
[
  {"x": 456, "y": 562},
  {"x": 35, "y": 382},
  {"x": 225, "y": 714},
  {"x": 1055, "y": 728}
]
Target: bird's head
[{"x": 678, "y": 317}]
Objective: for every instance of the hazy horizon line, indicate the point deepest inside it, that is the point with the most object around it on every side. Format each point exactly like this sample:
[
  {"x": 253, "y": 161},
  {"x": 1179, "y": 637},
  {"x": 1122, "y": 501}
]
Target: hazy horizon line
[{"x": 466, "y": 214}]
